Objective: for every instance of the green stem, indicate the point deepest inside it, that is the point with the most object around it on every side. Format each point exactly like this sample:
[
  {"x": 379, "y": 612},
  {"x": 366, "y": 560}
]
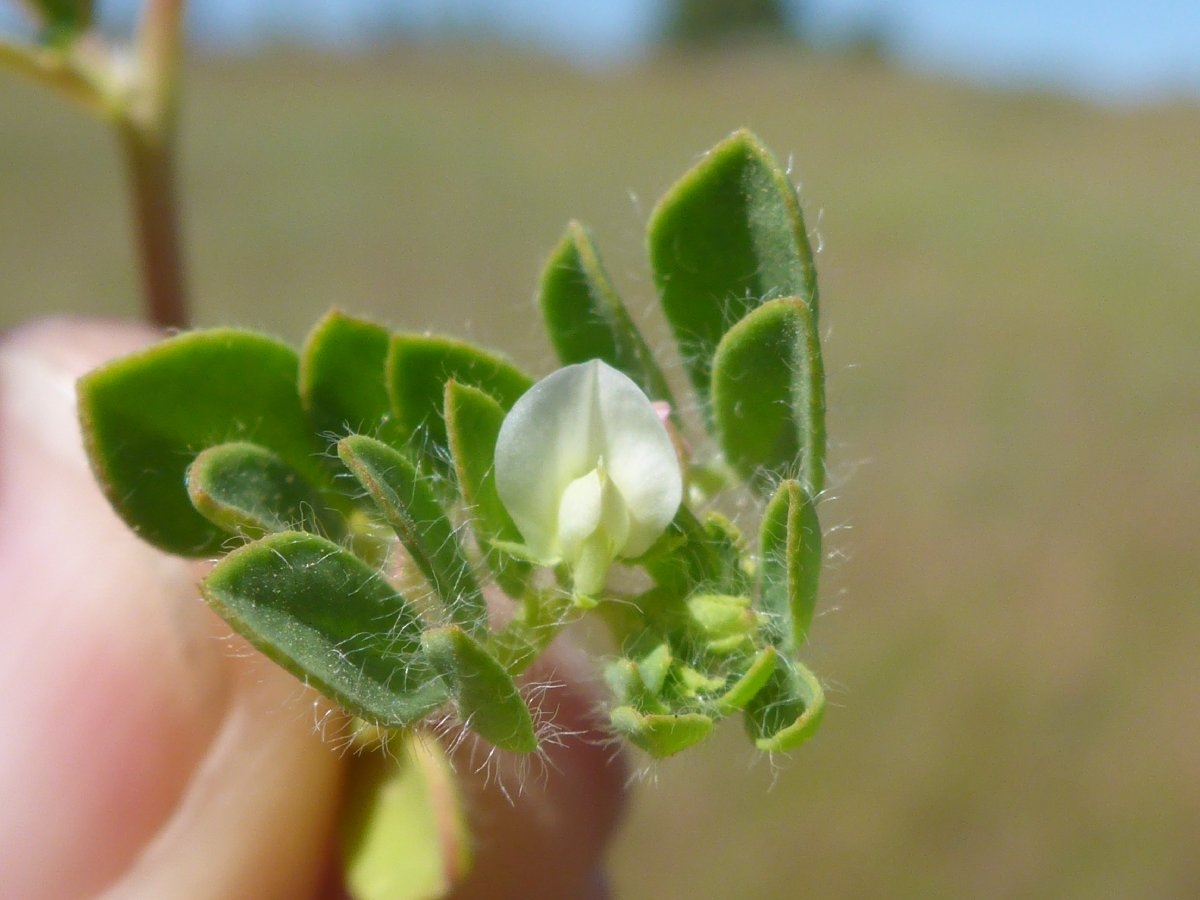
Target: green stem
[
  {"x": 539, "y": 619},
  {"x": 57, "y": 69}
]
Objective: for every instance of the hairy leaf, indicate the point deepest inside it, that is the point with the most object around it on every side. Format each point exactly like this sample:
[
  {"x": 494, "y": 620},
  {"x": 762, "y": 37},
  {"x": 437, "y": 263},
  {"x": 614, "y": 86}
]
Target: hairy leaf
[
  {"x": 418, "y": 367},
  {"x": 787, "y": 710},
  {"x": 752, "y": 680},
  {"x": 487, "y": 697},
  {"x": 409, "y": 506},
  {"x": 473, "y": 420},
  {"x": 728, "y": 236},
  {"x": 587, "y": 320},
  {"x": 768, "y": 396},
  {"x": 248, "y": 490},
  {"x": 145, "y": 417},
  {"x": 790, "y": 570},
  {"x": 331, "y": 620},
  {"x": 661, "y": 735},
  {"x": 342, "y": 375}
]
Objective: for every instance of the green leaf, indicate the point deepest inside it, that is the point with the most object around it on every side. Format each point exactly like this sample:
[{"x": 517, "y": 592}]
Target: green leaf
[
  {"x": 691, "y": 556},
  {"x": 145, "y": 417},
  {"x": 411, "y": 509},
  {"x": 342, "y": 384},
  {"x": 728, "y": 548},
  {"x": 751, "y": 681},
  {"x": 654, "y": 667},
  {"x": 661, "y": 735},
  {"x": 790, "y": 570},
  {"x": 403, "y": 830},
  {"x": 726, "y": 623},
  {"x": 587, "y": 320},
  {"x": 768, "y": 396},
  {"x": 62, "y": 19},
  {"x": 487, "y": 697},
  {"x": 787, "y": 710},
  {"x": 473, "y": 422},
  {"x": 726, "y": 237},
  {"x": 693, "y": 683},
  {"x": 331, "y": 620},
  {"x": 248, "y": 490},
  {"x": 623, "y": 679},
  {"x": 418, "y": 368},
  {"x": 683, "y": 558}
]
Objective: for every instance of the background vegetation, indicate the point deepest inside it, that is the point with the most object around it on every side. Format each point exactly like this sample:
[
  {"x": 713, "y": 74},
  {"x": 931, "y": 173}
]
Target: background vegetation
[{"x": 1012, "y": 293}]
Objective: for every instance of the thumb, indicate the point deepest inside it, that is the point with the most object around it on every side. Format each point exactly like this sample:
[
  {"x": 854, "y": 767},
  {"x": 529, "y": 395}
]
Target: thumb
[{"x": 139, "y": 756}]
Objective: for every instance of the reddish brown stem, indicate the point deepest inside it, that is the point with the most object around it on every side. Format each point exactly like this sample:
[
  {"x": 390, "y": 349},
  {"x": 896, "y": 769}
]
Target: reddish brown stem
[{"x": 150, "y": 167}]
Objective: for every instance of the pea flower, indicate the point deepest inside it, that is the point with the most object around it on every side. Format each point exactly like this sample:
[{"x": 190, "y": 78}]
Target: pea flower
[{"x": 587, "y": 471}]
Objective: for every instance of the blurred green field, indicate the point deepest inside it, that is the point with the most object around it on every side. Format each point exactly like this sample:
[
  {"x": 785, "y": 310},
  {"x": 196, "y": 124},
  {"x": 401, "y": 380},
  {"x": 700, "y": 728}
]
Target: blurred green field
[{"x": 1011, "y": 286}]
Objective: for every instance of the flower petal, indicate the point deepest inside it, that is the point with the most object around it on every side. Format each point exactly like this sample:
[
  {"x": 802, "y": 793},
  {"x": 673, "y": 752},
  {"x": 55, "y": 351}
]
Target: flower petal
[
  {"x": 579, "y": 512},
  {"x": 548, "y": 439},
  {"x": 639, "y": 458},
  {"x": 585, "y": 444}
]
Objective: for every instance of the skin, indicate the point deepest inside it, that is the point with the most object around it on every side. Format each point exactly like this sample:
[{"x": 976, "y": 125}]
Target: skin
[{"x": 146, "y": 751}]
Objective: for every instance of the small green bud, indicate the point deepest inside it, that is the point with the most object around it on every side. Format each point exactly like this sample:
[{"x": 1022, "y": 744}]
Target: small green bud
[{"x": 726, "y": 621}]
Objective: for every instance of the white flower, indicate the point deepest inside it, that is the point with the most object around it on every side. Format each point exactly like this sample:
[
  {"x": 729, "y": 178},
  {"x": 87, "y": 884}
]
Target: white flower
[{"x": 587, "y": 471}]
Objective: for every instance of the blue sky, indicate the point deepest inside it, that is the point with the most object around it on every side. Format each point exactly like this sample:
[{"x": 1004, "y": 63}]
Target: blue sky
[{"x": 1122, "y": 50}]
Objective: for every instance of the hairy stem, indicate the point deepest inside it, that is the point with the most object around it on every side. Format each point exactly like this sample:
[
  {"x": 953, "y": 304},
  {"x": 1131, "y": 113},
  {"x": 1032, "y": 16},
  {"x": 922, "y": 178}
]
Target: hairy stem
[{"x": 538, "y": 620}]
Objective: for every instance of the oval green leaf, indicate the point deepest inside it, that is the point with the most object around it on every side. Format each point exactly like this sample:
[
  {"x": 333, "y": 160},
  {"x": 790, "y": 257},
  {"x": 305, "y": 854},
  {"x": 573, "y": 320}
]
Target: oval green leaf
[
  {"x": 418, "y": 367},
  {"x": 146, "y": 416},
  {"x": 342, "y": 385},
  {"x": 723, "y": 623},
  {"x": 332, "y": 621},
  {"x": 749, "y": 683},
  {"x": 473, "y": 420},
  {"x": 768, "y": 396},
  {"x": 653, "y": 668},
  {"x": 661, "y": 735},
  {"x": 487, "y": 697},
  {"x": 790, "y": 569},
  {"x": 786, "y": 711},
  {"x": 586, "y": 319},
  {"x": 728, "y": 236},
  {"x": 63, "y": 19},
  {"x": 408, "y": 505},
  {"x": 248, "y": 490}
]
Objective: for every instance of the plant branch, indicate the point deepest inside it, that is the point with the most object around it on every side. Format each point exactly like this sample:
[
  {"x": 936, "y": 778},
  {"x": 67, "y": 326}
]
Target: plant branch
[
  {"x": 150, "y": 168},
  {"x": 143, "y": 112},
  {"x": 56, "y": 69},
  {"x": 159, "y": 54},
  {"x": 146, "y": 130}
]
